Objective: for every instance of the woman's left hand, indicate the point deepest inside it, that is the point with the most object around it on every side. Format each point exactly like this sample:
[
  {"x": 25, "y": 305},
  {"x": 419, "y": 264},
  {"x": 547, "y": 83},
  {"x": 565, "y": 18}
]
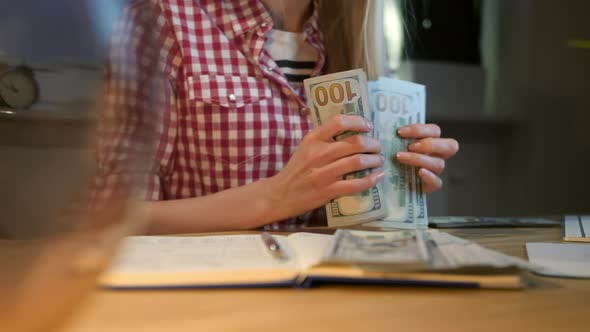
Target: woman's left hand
[{"x": 428, "y": 153}]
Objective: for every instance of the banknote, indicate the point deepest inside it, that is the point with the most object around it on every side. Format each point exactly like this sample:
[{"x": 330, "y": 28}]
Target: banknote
[
  {"x": 394, "y": 104},
  {"x": 416, "y": 250},
  {"x": 329, "y": 96},
  {"x": 398, "y": 250}
]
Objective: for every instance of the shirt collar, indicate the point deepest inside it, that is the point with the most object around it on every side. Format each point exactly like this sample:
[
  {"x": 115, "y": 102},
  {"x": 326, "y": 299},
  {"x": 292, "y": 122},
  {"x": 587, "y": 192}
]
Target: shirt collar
[
  {"x": 311, "y": 26},
  {"x": 247, "y": 15}
]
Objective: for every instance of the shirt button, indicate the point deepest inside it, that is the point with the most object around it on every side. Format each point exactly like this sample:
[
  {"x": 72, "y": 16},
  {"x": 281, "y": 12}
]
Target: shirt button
[
  {"x": 269, "y": 69},
  {"x": 232, "y": 97},
  {"x": 303, "y": 111},
  {"x": 263, "y": 24}
]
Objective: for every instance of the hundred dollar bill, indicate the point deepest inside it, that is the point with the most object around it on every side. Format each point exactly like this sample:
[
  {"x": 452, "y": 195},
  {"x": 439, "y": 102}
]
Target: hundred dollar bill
[
  {"x": 345, "y": 93},
  {"x": 395, "y": 104},
  {"x": 393, "y": 250},
  {"x": 423, "y": 250}
]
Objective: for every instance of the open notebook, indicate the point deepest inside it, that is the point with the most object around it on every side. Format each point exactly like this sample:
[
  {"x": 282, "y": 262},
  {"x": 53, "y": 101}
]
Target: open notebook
[{"x": 244, "y": 261}]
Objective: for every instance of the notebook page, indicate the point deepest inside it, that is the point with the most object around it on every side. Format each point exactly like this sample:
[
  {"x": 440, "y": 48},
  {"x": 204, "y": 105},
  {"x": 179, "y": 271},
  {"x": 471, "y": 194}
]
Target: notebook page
[
  {"x": 168, "y": 254},
  {"x": 310, "y": 247}
]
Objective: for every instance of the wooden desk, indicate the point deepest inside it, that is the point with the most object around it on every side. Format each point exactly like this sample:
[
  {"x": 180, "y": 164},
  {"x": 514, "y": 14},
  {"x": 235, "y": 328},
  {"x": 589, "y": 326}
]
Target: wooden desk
[{"x": 556, "y": 304}]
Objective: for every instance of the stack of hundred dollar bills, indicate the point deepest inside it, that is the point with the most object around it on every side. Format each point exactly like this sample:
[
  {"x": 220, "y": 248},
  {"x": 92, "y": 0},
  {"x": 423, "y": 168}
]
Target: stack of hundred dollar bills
[{"x": 398, "y": 201}]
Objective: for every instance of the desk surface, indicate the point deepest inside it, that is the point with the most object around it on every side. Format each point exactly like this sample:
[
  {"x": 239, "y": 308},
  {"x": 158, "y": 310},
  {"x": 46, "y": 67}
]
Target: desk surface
[{"x": 554, "y": 304}]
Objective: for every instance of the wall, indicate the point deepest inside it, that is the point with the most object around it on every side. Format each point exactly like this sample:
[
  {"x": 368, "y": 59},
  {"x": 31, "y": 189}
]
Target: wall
[
  {"x": 40, "y": 31},
  {"x": 37, "y": 183},
  {"x": 546, "y": 171},
  {"x": 44, "y": 160},
  {"x": 524, "y": 143}
]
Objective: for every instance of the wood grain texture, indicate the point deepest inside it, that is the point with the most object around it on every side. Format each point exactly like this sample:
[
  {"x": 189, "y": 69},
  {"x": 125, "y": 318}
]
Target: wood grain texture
[{"x": 554, "y": 304}]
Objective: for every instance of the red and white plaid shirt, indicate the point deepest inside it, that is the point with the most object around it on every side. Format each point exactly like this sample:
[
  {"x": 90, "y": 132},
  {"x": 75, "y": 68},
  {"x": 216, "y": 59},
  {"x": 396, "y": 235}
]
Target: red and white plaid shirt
[{"x": 226, "y": 115}]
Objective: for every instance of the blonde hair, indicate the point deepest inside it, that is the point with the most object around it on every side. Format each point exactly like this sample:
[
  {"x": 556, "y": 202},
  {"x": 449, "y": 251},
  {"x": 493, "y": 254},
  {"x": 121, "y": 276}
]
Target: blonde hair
[{"x": 354, "y": 35}]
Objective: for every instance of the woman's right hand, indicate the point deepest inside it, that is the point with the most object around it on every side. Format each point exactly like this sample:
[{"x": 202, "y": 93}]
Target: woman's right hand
[{"x": 315, "y": 173}]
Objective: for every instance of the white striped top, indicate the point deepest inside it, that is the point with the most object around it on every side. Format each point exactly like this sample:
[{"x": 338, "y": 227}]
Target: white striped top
[{"x": 295, "y": 57}]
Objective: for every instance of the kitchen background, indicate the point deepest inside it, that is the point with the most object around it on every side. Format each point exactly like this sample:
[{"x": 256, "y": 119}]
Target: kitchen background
[{"x": 508, "y": 79}]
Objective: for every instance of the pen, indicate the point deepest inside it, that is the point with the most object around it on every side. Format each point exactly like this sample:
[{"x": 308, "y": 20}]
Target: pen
[{"x": 272, "y": 245}]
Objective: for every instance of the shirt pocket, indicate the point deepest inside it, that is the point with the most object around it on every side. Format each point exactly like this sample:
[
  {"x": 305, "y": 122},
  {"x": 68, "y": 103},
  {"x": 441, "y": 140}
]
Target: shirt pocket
[
  {"x": 229, "y": 116},
  {"x": 228, "y": 91}
]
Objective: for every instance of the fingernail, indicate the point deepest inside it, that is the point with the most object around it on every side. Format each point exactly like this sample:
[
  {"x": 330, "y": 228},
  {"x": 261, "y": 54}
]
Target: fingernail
[
  {"x": 403, "y": 131},
  {"x": 379, "y": 175},
  {"x": 369, "y": 125},
  {"x": 382, "y": 159},
  {"x": 401, "y": 155},
  {"x": 415, "y": 146},
  {"x": 426, "y": 172}
]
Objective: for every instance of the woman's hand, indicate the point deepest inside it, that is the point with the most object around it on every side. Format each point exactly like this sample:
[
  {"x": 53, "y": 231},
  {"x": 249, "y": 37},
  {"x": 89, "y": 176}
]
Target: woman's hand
[
  {"x": 314, "y": 174},
  {"x": 428, "y": 153}
]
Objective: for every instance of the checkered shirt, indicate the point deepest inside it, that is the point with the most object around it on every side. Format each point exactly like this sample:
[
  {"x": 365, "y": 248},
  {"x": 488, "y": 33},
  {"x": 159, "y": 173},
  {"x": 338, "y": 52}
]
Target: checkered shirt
[{"x": 194, "y": 76}]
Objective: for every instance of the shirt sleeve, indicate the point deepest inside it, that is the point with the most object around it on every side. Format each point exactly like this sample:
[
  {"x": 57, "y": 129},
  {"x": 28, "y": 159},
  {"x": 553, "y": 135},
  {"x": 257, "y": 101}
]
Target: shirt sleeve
[{"x": 137, "y": 122}]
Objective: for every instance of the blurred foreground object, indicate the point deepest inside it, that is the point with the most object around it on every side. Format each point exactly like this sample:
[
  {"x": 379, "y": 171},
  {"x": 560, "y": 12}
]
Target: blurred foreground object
[
  {"x": 45, "y": 280},
  {"x": 55, "y": 240}
]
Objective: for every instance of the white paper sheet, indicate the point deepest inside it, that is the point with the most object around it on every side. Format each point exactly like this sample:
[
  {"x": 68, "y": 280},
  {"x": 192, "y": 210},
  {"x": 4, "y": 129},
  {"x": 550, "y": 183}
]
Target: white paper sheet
[
  {"x": 577, "y": 228},
  {"x": 170, "y": 254},
  {"x": 560, "y": 259}
]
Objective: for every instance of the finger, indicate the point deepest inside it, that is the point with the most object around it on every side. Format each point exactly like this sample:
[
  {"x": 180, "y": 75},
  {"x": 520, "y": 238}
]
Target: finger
[
  {"x": 341, "y": 124},
  {"x": 352, "y": 145},
  {"x": 354, "y": 186},
  {"x": 433, "y": 164},
  {"x": 357, "y": 162},
  {"x": 333, "y": 151},
  {"x": 419, "y": 131},
  {"x": 430, "y": 182},
  {"x": 439, "y": 147}
]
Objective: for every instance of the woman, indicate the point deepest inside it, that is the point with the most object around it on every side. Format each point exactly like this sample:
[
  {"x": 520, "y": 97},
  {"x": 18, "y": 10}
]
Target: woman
[{"x": 219, "y": 85}]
